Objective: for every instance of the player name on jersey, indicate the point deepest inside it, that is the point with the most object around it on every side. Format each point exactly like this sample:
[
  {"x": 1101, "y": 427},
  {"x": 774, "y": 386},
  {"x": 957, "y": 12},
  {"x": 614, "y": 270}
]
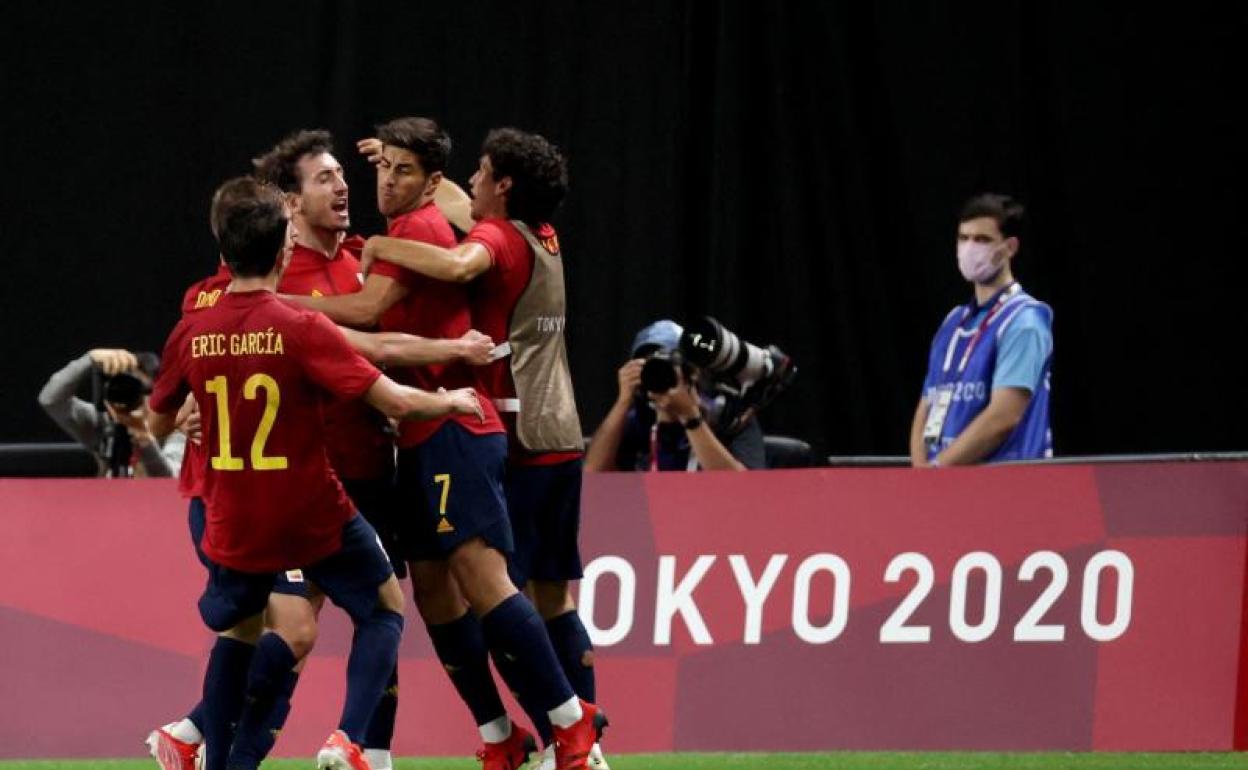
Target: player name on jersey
[{"x": 265, "y": 343}]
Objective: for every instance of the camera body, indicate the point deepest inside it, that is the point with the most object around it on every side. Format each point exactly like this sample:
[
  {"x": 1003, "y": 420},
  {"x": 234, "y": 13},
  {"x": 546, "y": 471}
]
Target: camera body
[
  {"x": 659, "y": 372},
  {"x": 125, "y": 390}
]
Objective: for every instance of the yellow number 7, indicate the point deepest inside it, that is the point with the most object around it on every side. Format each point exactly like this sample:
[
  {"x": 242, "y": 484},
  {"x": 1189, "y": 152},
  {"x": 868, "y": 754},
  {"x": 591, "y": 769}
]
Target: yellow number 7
[{"x": 445, "y": 480}]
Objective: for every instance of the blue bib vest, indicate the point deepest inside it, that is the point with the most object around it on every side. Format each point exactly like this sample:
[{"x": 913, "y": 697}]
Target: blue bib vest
[{"x": 963, "y": 358}]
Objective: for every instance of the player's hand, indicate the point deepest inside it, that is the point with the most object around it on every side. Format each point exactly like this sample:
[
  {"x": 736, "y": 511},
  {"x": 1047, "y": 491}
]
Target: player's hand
[
  {"x": 370, "y": 148},
  {"x": 629, "y": 376},
  {"x": 113, "y": 360},
  {"x": 464, "y": 401},
  {"x": 475, "y": 347},
  {"x": 188, "y": 422}
]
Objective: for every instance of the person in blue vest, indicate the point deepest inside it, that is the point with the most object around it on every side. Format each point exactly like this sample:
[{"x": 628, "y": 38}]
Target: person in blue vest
[{"x": 986, "y": 395}]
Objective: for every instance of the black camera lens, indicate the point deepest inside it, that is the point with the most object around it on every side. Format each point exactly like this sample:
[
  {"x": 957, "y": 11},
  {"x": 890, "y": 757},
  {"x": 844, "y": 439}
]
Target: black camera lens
[
  {"x": 658, "y": 374},
  {"x": 124, "y": 391}
]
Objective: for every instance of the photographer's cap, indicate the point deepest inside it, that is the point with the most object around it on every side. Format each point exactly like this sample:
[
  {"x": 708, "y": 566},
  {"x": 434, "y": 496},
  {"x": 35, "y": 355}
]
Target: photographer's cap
[{"x": 663, "y": 334}]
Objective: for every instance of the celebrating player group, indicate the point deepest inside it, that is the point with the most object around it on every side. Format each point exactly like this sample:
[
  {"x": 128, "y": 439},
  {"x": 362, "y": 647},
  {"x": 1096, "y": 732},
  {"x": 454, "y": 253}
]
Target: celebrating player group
[{"x": 312, "y": 474}]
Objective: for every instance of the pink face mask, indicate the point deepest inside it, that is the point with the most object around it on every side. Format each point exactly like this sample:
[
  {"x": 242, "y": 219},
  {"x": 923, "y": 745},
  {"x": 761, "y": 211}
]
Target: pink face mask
[{"x": 975, "y": 260}]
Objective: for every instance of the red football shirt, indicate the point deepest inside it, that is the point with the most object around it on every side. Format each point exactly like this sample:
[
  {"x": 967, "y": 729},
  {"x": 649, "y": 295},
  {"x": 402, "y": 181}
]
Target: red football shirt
[
  {"x": 200, "y": 295},
  {"x": 492, "y": 306},
  {"x": 261, "y": 370},
  {"x": 359, "y": 445},
  {"x": 435, "y": 310}
]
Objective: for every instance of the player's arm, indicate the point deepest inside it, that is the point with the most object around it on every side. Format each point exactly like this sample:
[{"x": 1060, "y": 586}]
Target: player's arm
[
  {"x": 989, "y": 429},
  {"x": 399, "y": 349},
  {"x": 404, "y": 403},
  {"x": 362, "y": 308},
  {"x": 918, "y": 447},
  {"x": 170, "y": 390},
  {"x": 455, "y": 204},
  {"x": 458, "y": 265},
  {"x": 161, "y": 424}
]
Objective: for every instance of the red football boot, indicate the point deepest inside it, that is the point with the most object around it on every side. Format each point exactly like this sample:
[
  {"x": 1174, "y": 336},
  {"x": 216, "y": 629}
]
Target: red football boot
[
  {"x": 169, "y": 752},
  {"x": 573, "y": 744},
  {"x": 339, "y": 753},
  {"x": 510, "y": 754}
]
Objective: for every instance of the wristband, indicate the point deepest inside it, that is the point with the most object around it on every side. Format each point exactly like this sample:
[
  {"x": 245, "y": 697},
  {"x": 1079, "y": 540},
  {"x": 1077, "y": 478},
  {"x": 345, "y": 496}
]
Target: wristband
[{"x": 693, "y": 423}]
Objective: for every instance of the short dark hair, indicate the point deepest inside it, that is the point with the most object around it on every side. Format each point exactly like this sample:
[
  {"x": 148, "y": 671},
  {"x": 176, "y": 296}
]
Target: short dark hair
[
  {"x": 538, "y": 171},
  {"x": 280, "y": 165},
  {"x": 227, "y": 195},
  {"x": 1005, "y": 210},
  {"x": 423, "y": 137},
  {"x": 251, "y": 225}
]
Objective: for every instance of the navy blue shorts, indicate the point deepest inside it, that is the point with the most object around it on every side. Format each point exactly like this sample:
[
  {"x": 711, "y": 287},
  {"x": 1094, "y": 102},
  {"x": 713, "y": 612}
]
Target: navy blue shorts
[
  {"x": 197, "y": 517},
  {"x": 545, "y": 506},
  {"x": 349, "y": 577},
  {"x": 376, "y": 500},
  {"x": 451, "y": 490}
]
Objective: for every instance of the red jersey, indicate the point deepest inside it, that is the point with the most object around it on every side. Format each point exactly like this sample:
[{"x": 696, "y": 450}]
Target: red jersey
[
  {"x": 494, "y": 301},
  {"x": 435, "y": 310},
  {"x": 260, "y": 370},
  {"x": 359, "y": 444},
  {"x": 200, "y": 295}
]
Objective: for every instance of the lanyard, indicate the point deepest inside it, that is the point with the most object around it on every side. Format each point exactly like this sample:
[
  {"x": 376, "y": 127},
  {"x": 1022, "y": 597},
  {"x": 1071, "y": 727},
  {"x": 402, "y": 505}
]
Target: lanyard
[{"x": 1002, "y": 298}]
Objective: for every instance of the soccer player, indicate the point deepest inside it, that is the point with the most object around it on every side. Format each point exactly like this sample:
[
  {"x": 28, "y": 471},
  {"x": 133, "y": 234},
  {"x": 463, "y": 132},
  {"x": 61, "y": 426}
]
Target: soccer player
[
  {"x": 512, "y": 254},
  {"x": 323, "y": 263},
  {"x": 175, "y": 746},
  {"x": 276, "y": 516},
  {"x": 449, "y": 472}
]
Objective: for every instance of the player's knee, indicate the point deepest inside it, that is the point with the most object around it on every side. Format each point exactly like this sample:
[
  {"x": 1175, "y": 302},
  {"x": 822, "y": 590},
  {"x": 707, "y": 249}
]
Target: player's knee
[
  {"x": 390, "y": 596},
  {"x": 551, "y": 597},
  {"x": 299, "y": 633},
  {"x": 439, "y": 606},
  {"x": 301, "y": 639},
  {"x": 481, "y": 572}
]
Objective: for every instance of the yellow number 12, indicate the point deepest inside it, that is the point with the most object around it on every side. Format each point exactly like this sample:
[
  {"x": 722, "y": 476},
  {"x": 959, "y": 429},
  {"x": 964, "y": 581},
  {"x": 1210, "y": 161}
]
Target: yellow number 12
[{"x": 225, "y": 460}]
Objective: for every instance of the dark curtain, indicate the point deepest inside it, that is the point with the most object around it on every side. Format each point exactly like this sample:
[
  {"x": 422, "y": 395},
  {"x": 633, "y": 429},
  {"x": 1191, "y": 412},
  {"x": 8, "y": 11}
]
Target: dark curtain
[{"x": 794, "y": 169}]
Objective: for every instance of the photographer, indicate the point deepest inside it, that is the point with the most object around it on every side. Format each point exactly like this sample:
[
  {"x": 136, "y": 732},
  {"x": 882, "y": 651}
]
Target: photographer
[
  {"x": 114, "y": 427},
  {"x": 686, "y": 427}
]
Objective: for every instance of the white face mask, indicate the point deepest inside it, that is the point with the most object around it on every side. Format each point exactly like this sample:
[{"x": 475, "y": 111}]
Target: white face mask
[{"x": 977, "y": 261}]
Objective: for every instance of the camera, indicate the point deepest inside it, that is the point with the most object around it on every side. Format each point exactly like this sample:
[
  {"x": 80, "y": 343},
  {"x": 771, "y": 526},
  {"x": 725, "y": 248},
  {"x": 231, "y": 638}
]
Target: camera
[
  {"x": 658, "y": 373},
  {"x": 724, "y": 362},
  {"x": 125, "y": 391}
]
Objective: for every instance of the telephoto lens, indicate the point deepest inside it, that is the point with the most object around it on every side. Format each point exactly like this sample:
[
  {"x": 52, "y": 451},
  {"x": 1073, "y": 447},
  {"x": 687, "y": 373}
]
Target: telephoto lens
[{"x": 710, "y": 345}]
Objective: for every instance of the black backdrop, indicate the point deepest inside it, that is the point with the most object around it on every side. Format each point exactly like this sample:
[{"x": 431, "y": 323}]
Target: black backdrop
[{"x": 792, "y": 168}]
